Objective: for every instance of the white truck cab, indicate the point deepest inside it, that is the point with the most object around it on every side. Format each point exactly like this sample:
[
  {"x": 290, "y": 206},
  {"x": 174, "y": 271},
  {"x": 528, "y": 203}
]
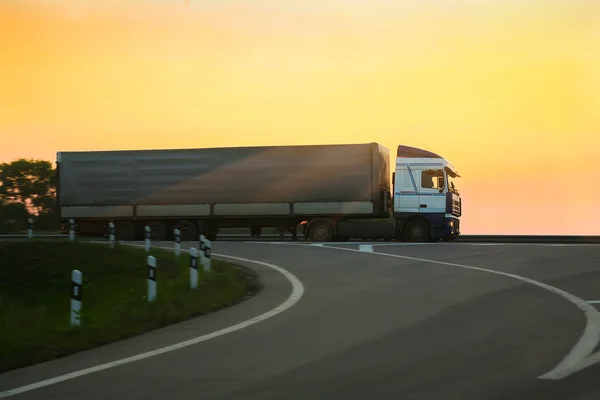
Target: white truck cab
[{"x": 427, "y": 204}]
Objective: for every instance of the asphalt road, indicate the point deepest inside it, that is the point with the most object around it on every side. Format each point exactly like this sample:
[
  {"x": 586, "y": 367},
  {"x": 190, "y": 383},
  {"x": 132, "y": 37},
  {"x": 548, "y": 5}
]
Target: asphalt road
[{"x": 368, "y": 326}]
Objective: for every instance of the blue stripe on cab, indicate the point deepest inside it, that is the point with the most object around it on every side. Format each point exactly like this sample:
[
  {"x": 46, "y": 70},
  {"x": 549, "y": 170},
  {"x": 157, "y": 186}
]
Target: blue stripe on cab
[
  {"x": 419, "y": 165},
  {"x": 419, "y": 194}
]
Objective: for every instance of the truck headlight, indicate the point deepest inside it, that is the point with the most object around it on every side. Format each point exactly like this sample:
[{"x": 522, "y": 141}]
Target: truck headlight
[{"x": 451, "y": 223}]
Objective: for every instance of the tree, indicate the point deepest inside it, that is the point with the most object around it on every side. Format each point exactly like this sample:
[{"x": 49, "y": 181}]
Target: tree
[
  {"x": 13, "y": 218},
  {"x": 29, "y": 182}
]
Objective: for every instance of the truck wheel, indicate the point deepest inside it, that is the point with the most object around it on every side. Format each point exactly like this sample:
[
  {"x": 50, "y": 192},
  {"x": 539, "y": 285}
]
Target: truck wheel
[
  {"x": 125, "y": 230},
  {"x": 321, "y": 231},
  {"x": 416, "y": 231},
  {"x": 158, "y": 231},
  {"x": 188, "y": 230}
]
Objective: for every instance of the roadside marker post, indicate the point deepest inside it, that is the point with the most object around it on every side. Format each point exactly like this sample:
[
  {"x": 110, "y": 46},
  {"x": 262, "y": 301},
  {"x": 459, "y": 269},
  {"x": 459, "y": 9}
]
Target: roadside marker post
[
  {"x": 30, "y": 228},
  {"x": 147, "y": 236},
  {"x": 177, "y": 234},
  {"x": 111, "y": 234},
  {"x": 193, "y": 268},
  {"x": 71, "y": 230},
  {"x": 207, "y": 255},
  {"x": 76, "y": 283},
  {"x": 201, "y": 247},
  {"x": 151, "y": 278}
]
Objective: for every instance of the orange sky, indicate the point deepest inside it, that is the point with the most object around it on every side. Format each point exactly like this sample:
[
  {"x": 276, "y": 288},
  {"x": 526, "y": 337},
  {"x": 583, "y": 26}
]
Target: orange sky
[{"x": 467, "y": 79}]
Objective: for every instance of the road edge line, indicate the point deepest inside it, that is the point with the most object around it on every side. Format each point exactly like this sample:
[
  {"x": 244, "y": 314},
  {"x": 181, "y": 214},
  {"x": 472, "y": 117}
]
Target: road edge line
[
  {"x": 293, "y": 298},
  {"x": 579, "y": 357}
]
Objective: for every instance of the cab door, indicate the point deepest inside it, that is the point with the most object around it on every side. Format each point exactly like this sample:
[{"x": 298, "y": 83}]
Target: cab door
[
  {"x": 406, "y": 197},
  {"x": 432, "y": 198}
]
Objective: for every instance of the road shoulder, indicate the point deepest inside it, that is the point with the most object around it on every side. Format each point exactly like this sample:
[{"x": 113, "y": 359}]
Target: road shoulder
[{"x": 276, "y": 288}]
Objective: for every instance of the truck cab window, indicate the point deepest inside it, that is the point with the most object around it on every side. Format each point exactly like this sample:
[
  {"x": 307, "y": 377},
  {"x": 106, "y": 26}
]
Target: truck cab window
[{"x": 432, "y": 179}]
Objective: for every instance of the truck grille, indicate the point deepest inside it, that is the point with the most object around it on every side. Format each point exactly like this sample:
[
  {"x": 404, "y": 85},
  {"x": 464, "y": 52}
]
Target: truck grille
[{"x": 456, "y": 209}]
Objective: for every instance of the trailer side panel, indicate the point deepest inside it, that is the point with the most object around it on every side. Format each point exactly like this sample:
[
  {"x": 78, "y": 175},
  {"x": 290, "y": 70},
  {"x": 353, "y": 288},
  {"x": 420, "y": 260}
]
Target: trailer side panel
[{"x": 236, "y": 181}]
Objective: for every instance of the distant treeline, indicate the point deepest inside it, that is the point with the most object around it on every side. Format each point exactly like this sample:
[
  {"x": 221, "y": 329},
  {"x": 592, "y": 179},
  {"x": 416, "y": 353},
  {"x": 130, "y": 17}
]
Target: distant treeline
[{"x": 28, "y": 190}]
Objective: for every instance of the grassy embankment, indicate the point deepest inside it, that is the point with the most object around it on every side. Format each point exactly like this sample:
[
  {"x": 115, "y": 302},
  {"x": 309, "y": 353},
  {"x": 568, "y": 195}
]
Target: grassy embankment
[{"x": 35, "y": 287}]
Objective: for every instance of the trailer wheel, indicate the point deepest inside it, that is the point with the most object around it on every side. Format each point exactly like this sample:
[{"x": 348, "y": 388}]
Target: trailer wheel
[
  {"x": 416, "y": 230},
  {"x": 321, "y": 231},
  {"x": 188, "y": 230},
  {"x": 158, "y": 231},
  {"x": 125, "y": 230}
]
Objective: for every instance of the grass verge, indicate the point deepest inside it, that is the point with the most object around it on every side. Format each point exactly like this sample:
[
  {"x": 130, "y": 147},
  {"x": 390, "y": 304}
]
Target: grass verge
[{"x": 35, "y": 287}]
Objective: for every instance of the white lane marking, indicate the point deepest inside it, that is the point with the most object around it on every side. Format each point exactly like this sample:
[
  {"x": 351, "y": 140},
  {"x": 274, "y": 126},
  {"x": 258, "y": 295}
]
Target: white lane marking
[
  {"x": 366, "y": 248},
  {"x": 580, "y": 355},
  {"x": 297, "y": 293},
  {"x": 594, "y": 301},
  {"x": 256, "y": 242}
]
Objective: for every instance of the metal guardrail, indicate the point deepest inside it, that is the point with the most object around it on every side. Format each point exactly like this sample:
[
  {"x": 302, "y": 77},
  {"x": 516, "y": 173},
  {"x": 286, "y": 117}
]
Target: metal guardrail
[
  {"x": 558, "y": 239},
  {"x": 567, "y": 239},
  {"x": 564, "y": 239}
]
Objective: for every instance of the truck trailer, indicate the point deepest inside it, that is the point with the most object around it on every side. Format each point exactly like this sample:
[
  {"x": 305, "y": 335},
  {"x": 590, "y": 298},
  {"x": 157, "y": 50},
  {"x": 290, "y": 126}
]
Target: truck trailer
[{"x": 325, "y": 192}]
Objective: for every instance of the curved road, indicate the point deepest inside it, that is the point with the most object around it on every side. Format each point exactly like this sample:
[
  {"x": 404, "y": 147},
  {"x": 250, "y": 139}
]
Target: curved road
[{"x": 417, "y": 322}]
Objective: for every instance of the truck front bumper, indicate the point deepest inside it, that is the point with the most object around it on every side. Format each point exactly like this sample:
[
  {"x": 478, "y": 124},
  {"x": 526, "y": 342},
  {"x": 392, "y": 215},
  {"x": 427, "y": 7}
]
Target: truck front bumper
[{"x": 451, "y": 228}]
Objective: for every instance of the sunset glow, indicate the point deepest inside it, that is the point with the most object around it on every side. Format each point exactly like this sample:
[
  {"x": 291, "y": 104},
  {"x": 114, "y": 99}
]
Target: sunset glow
[{"x": 508, "y": 91}]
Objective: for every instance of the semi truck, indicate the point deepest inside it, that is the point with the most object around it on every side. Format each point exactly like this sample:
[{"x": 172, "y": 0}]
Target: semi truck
[{"x": 327, "y": 193}]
